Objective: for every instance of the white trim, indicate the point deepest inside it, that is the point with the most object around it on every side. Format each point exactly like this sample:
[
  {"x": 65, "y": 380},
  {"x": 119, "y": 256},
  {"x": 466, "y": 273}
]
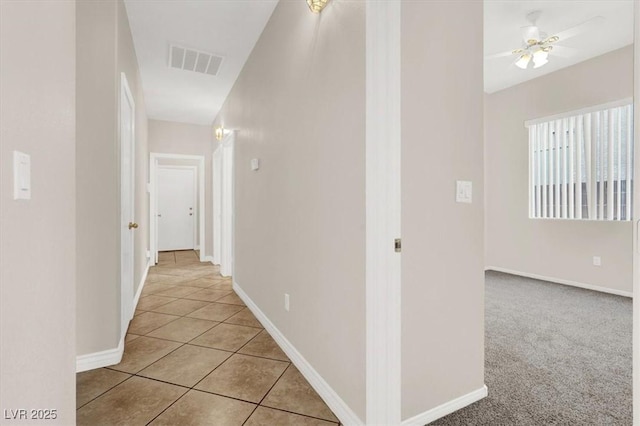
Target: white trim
[
  {"x": 340, "y": 408},
  {"x": 383, "y": 203},
  {"x": 209, "y": 259},
  {"x": 100, "y": 359},
  {"x": 216, "y": 196},
  {"x": 143, "y": 280},
  {"x": 447, "y": 408},
  {"x": 110, "y": 356},
  {"x": 560, "y": 281},
  {"x": 636, "y": 216},
  {"x": 127, "y": 276},
  {"x": 227, "y": 206},
  {"x": 594, "y": 108},
  {"x": 153, "y": 204}
]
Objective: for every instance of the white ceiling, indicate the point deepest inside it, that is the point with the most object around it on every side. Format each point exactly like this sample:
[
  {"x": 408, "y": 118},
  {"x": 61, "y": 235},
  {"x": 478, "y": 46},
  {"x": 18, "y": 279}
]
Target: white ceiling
[
  {"x": 228, "y": 28},
  {"x": 503, "y": 20}
]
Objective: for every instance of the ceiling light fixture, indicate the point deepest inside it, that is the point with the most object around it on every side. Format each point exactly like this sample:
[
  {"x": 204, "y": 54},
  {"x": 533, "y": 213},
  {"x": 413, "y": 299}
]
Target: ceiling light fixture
[
  {"x": 219, "y": 132},
  {"x": 523, "y": 61},
  {"x": 316, "y": 6},
  {"x": 540, "y": 57}
]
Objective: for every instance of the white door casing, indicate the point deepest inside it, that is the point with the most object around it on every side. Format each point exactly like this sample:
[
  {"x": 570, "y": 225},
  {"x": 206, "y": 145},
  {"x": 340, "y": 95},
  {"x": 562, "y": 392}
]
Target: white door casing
[
  {"x": 127, "y": 197},
  {"x": 217, "y": 202},
  {"x": 636, "y": 219},
  {"x": 154, "y": 163},
  {"x": 177, "y": 207},
  {"x": 227, "y": 207}
]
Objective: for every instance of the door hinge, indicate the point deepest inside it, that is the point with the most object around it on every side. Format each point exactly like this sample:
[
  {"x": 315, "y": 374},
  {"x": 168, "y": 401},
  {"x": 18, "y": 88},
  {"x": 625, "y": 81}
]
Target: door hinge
[{"x": 398, "y": 245}]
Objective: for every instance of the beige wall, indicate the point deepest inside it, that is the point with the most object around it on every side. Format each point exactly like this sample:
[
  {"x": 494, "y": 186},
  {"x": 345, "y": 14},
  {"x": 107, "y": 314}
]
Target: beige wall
[
  {"x": 167, "y": 137},
  {"x": 552, "y": 248},
  {"x": 442, "y": 241},
  {"x": 37, "y": 242},
  {"x": 104, "y": 50},
  {"x": 299, "y": 106}
]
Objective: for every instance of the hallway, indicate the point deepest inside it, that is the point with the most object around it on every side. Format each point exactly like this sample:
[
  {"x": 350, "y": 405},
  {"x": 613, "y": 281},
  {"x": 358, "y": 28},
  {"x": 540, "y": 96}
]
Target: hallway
[{"x": 194, "y": 354}]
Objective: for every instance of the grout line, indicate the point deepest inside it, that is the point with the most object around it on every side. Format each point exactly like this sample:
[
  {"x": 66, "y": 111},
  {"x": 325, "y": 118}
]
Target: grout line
[
  {"x": 231, "y": 354},
  {"x": 117, "y": 384}
]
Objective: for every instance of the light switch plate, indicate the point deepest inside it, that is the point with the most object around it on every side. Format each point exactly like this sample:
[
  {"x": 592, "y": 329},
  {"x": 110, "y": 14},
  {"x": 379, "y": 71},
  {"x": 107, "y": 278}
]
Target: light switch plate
[
  {"x": 464, "y": 191},
  {"x": 21, "y": 176},
  {"x": 255, "y": 164}
]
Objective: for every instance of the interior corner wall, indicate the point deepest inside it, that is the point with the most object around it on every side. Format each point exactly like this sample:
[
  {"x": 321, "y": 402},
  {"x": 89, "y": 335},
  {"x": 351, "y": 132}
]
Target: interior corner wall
[
  {"x": 97, "y": 165},
  {"x": 104, "y": 50},
  {"x": 559, "y": 249},
  {"x": 442, "y": 241},
  {"x": 37, "y": 243},
  {"x": 169, "y": 137},
  {"x": 299, "y": 106}
]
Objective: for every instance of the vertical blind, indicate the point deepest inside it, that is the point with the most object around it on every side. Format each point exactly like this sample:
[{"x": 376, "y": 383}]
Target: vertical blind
[{"x": 581, "y": 165}]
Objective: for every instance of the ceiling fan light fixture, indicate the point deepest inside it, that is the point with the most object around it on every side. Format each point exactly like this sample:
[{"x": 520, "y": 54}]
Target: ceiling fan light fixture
[
  {"x": 540, "y": 58},
  {"x": 523, "y": 61},
  {"x": 316, "y": 6}
]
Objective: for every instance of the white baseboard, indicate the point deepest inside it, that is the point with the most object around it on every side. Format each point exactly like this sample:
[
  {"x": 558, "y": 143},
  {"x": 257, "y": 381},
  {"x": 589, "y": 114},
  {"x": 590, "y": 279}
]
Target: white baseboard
[
  {"x": 100, "y": 359},
  {"x": 209, "y": 259},
  {"x": 446, "y": 408},
  {"x": 110, "y": 356},
  {"x": 340, "y": 408},
  {"x": 561, "y": 281},
  {"x": 140, "y": 287}
]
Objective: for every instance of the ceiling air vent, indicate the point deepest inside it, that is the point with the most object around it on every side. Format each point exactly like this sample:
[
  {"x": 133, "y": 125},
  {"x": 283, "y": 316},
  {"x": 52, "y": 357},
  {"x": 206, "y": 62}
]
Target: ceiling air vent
[{"x": 194, "y": 60}]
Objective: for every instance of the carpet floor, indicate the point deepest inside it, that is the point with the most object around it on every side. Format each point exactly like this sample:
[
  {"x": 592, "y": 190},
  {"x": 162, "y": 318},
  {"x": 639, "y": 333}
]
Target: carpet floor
[{"x": 555, "y": 355}]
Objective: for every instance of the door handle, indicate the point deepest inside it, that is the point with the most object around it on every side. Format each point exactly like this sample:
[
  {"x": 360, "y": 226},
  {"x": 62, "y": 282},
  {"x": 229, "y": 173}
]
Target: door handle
[{"x": 133, "y": 225}]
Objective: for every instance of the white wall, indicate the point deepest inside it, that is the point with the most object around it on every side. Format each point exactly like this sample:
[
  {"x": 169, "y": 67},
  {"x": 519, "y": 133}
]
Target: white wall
[
  {"x": 442, "y": 241},
  {"x": 299, "y": 106},
  {"x": 168, "y": 137},
  {"x": 37, "y": 242},
  {"x": 558, "y": 249},
  {"x": 104, "y": 50}
]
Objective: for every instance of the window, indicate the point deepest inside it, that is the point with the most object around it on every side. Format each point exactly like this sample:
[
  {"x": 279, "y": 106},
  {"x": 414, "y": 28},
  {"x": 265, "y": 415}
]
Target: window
[{"x": 581, "y": 164}]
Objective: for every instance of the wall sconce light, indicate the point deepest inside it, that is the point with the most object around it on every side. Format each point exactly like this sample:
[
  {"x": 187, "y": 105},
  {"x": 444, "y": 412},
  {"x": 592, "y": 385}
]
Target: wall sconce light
[
  {"x": 219, "y": 132},
  {"x": 316, "y": 6}
]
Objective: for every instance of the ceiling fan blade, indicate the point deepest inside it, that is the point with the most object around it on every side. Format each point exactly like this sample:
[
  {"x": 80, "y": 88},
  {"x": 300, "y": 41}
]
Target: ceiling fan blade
[
  {"x": 589, "y": 25},
  {"x": 563, "y": 51},
  {"x": 501, "y": 54},
  {"x": 531, "y": 32}
]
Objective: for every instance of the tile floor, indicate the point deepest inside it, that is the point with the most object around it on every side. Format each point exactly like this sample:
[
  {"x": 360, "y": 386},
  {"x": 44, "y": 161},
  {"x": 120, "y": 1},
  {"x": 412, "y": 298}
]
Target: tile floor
[{"x": 195, "y": 355}]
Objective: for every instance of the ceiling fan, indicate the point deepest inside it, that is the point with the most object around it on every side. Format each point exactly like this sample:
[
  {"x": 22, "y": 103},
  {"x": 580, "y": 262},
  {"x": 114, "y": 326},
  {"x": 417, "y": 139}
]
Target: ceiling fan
[{"x": 537, "y": 45}]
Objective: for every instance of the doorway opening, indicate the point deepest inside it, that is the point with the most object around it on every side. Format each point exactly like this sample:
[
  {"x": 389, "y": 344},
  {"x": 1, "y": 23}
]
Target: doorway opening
[{"x": 177, "y": 204}]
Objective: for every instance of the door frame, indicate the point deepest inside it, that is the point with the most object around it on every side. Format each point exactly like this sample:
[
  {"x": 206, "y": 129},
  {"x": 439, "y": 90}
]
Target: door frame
[
  {"x": 154, "y": 158},
  {"x": 216, "y": 167},
  {"x": 126, "y": 277},
  {"x": 225, "y": 238},
  {"x": 636, "y": 216},
  {"x": 195, "y": 195}
]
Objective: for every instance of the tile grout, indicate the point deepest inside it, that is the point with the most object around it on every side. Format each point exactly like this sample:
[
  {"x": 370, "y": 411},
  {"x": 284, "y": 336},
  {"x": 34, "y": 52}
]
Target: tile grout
[{"x": 182, "y": 344}]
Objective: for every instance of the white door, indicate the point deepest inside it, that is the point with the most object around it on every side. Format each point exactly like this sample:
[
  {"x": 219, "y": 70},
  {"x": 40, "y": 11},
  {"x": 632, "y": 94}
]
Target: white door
[
  {"x": 226, "y": 222},
  {"x": 127, "y": 194},
  {"x": 217, "y": 204},
  {"x": 176, "y": 208}
]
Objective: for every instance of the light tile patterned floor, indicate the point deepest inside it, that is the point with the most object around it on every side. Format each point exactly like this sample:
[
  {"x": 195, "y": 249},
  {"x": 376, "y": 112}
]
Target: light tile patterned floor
[{"x": 195, "y": 355}]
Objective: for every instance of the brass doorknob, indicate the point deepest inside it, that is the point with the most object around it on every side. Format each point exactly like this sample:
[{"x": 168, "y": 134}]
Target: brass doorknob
[{"x": 133, "y": 225}]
